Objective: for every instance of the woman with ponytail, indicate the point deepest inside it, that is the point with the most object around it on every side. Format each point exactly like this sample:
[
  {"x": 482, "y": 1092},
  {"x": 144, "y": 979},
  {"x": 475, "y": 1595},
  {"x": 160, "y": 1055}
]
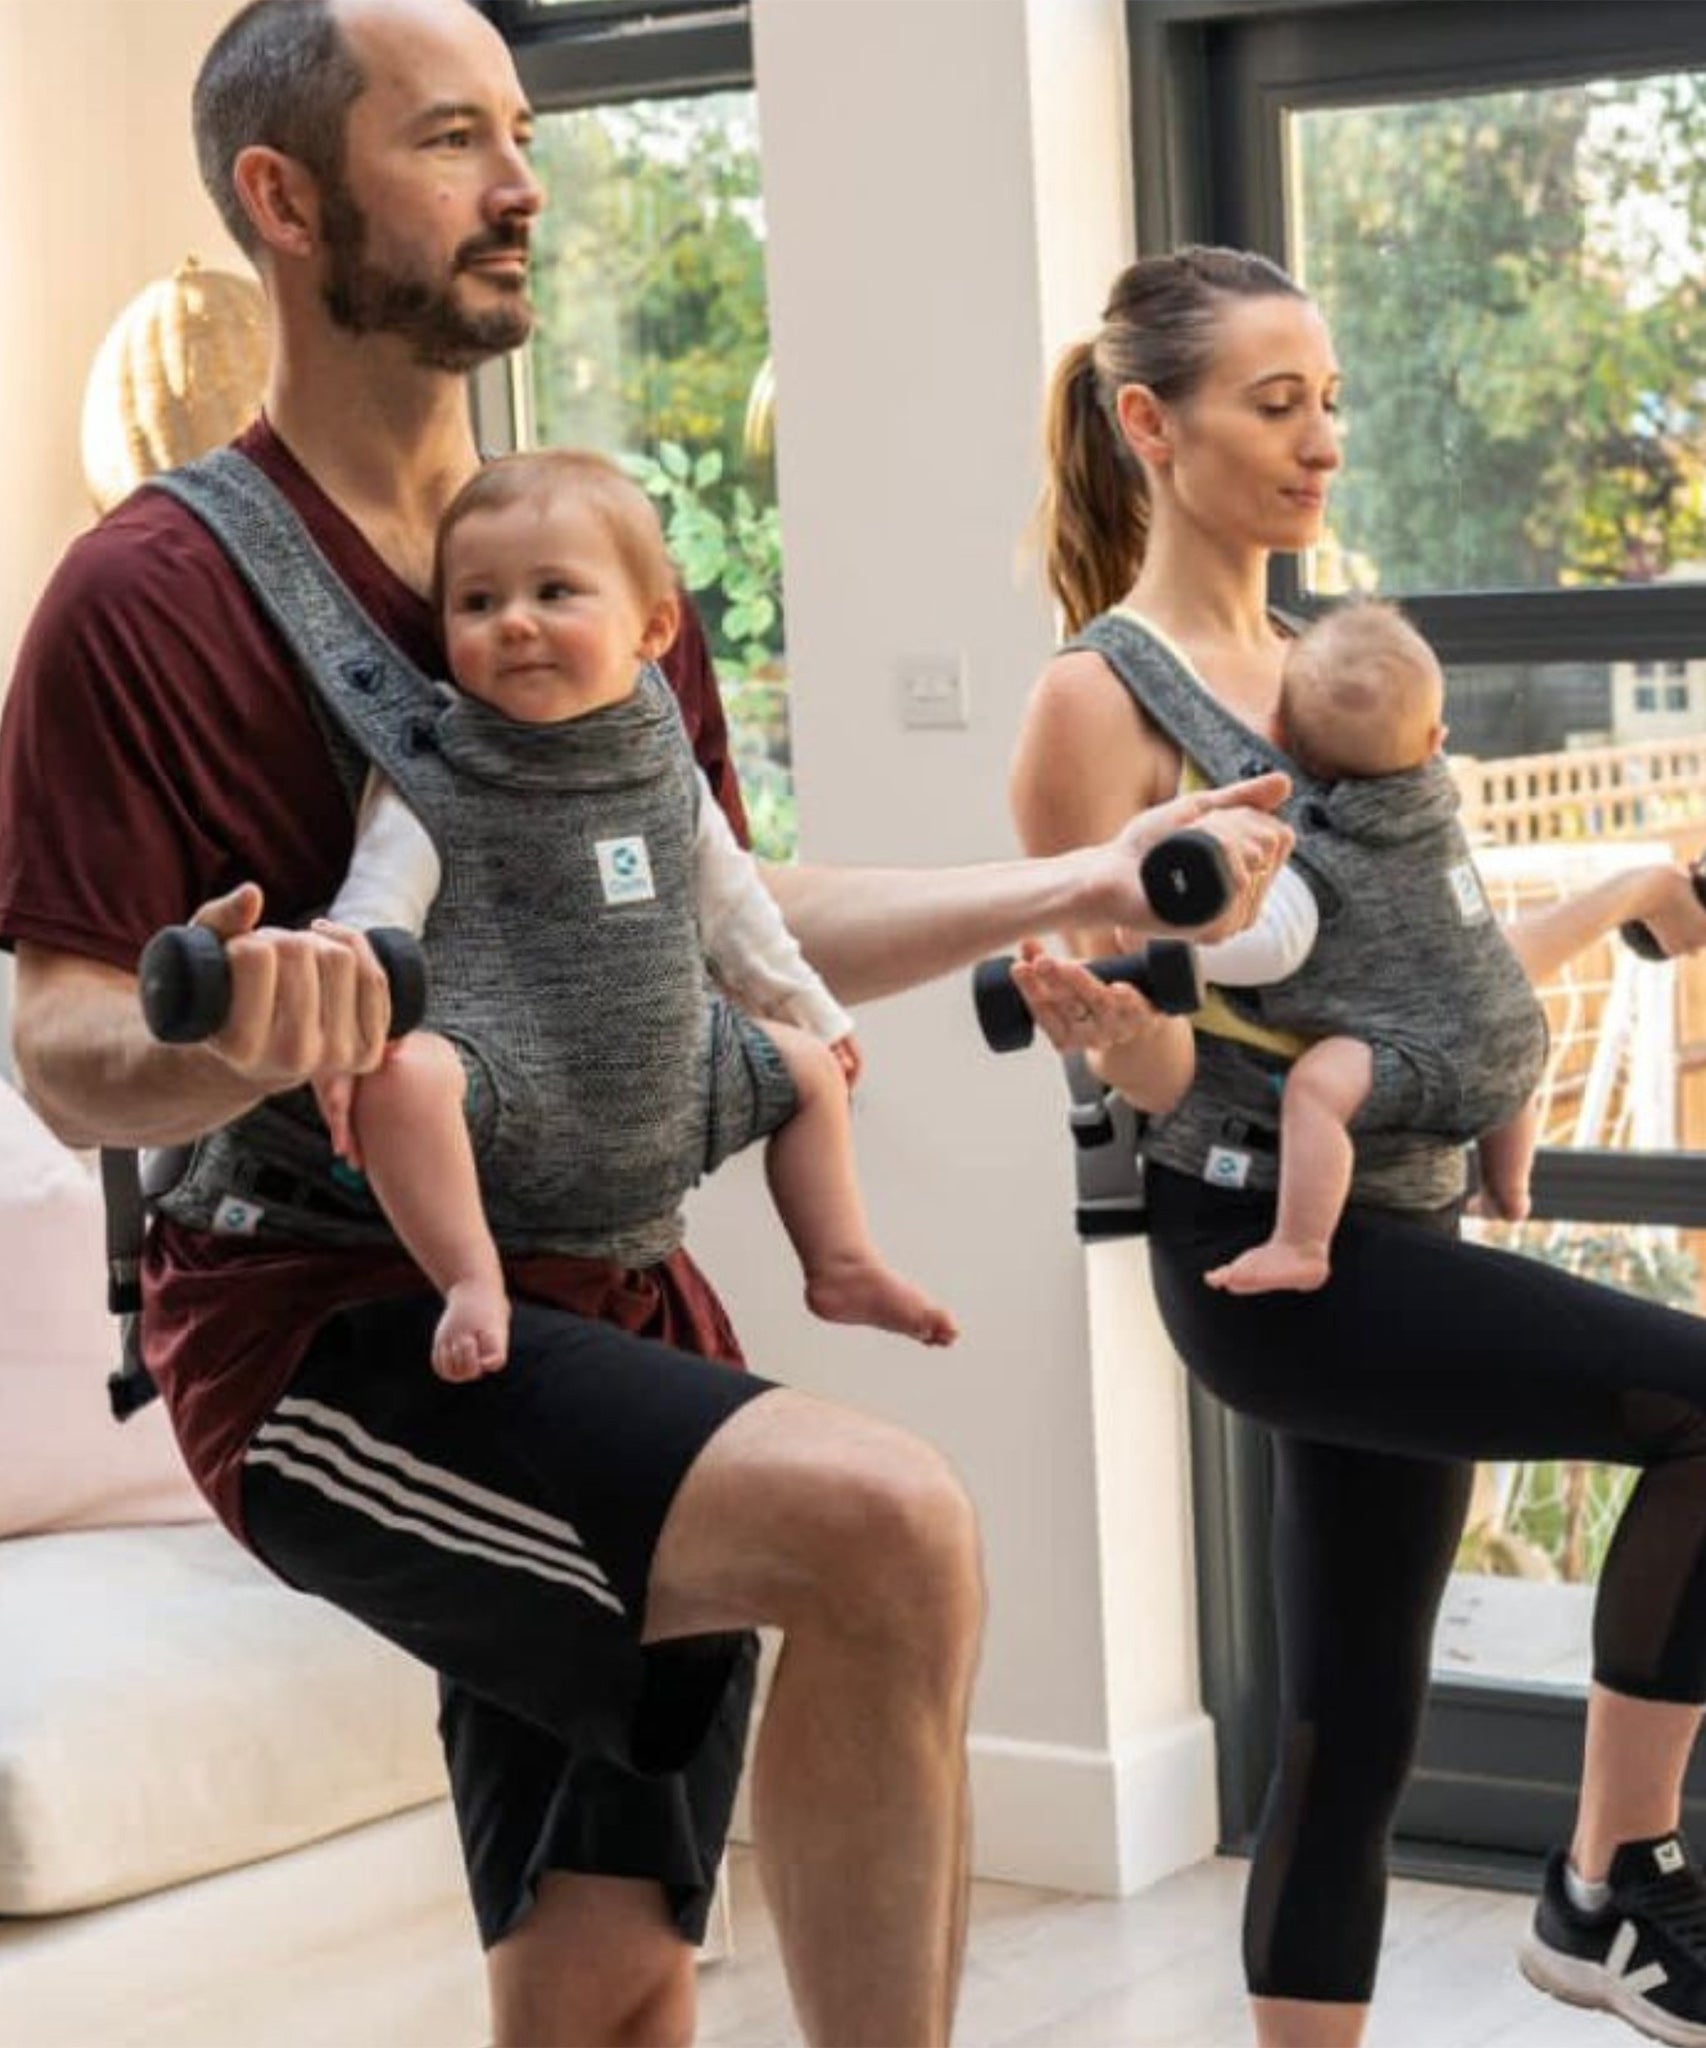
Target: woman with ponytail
[{"x": 1192, "y": 438}]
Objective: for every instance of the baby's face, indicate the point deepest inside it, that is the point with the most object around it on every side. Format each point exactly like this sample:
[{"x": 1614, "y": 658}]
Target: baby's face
[{"x": 541, "y": 620}]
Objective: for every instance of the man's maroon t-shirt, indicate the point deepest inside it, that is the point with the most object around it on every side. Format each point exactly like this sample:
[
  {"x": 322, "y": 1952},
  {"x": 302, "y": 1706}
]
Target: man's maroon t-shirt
[{"x": 158, "y": 748}]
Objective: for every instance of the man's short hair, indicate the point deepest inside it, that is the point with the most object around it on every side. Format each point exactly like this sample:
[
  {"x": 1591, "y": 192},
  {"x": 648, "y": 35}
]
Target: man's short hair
[{"x": 279, "y": 74}]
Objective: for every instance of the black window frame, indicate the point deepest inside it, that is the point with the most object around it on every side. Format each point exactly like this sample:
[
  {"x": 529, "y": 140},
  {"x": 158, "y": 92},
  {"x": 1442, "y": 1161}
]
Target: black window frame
[
  {"x": 603, "y": 51},
  {"x": 1209, "y": 80}
]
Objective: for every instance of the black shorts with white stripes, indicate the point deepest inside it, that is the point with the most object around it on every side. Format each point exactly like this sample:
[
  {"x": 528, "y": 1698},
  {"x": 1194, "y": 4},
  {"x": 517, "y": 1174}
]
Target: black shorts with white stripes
[{"x": 502, "y": 1531}]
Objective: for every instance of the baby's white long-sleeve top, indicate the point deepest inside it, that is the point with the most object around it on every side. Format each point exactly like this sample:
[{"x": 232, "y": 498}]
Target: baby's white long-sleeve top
[
  {"x": 394, "y": 874},
  {"x": 1276, "y": 945}
]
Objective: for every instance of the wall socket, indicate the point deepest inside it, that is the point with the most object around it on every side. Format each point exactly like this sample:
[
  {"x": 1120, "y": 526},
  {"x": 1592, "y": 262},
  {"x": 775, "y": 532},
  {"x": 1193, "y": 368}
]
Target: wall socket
[{"x": 932, "y": 690}]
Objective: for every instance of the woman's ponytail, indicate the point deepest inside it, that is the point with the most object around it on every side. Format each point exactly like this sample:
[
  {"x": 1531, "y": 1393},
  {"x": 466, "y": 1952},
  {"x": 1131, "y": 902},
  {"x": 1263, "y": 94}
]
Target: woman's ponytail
[
  {"x": 1094, "y": 515},
  {"x": 1160, "y": 330}
]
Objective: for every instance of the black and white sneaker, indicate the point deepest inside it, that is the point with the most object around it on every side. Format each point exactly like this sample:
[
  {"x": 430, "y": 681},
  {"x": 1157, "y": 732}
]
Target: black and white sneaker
[{"x": 1642, "y": 1955}]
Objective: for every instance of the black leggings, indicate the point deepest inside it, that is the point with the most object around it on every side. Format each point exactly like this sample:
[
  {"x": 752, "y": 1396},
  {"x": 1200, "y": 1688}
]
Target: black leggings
[{"x": 1419, "y": 1356}]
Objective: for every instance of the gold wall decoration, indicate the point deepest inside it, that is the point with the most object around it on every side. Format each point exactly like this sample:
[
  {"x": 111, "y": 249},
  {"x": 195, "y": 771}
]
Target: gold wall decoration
[{"x": 181, "y": 370}]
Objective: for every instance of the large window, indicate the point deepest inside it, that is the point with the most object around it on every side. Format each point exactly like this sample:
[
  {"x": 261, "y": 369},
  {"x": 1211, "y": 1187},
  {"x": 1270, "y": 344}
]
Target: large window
[
  {"x": 1502, "y": 211},
  {"x": 1514, "y": 282},
  {"x": 653, "y": 339}
]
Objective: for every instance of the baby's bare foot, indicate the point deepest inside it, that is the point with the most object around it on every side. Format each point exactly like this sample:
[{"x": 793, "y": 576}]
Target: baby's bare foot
[
  {"x": 1273, "y": 1268},
  {"x": 866, "y": 1291},
  {"x": 472, "y": 1338}
]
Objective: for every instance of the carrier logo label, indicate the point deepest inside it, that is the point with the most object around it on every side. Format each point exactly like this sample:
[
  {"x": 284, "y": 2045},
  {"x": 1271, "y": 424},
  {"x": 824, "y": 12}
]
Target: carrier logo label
[
  {"x": 1472, "y": 905},
  {"x": 1226, "y": 1168},
  {"x": 1668, "y": 1856},
  {"x": 236, "y": 1218},
  {"x": 625, "y": 870}
]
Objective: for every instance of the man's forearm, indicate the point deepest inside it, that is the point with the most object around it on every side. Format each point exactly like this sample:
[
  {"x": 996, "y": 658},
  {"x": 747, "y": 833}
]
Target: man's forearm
[
  {"x": 873, "y": 932},
  {"x": 93, "y": 1073}
]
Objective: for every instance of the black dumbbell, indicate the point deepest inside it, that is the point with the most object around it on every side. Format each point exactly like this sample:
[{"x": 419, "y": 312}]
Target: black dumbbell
[
  {"x": 1186, "y": 878},
  {"x": 1164, "y": 974},
  {"x": 186, "y": 981},
  {"x": 1639, "y": 938}
]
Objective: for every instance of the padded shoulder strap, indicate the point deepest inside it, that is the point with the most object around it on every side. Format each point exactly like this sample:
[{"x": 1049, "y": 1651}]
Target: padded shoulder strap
[
  {"x": 379, "y": 706},
  {"x": 1205, "y": 732}
]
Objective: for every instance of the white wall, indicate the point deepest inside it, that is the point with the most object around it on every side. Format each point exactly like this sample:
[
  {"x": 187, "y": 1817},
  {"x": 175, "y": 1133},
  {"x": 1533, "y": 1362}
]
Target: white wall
[{"x": 947, "y": 188}]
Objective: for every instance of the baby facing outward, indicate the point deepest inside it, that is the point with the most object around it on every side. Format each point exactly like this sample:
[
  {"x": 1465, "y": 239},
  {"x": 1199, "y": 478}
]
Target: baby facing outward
[
  {"x": 1362, "y": 702},
  {"x": 557, "y": 594}
]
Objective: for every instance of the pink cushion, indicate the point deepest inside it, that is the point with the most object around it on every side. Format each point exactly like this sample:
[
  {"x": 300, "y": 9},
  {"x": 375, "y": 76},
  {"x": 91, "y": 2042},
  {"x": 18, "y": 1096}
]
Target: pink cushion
[{"x": 66, "y": 1463}]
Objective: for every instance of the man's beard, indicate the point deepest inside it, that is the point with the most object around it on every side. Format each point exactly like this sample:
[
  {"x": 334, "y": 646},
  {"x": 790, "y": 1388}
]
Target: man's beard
[{"x": 364, "y": 297}]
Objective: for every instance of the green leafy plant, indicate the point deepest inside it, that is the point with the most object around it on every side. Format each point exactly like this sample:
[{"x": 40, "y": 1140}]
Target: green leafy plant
[
  {"x": 653, "y": 326},
  {"x": 728, "y": 548}
]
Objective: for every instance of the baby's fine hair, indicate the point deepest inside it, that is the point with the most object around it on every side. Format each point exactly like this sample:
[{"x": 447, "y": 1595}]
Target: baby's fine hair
[
  {"x": 1361, "y": 673},
  {"x": 1160, "y": 328},
  {"x": 593, "y": 481}
]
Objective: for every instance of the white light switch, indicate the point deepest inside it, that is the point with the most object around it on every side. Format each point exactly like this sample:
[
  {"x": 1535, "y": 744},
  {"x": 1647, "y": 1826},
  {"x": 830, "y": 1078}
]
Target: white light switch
[{"x": 932, "y": 689}]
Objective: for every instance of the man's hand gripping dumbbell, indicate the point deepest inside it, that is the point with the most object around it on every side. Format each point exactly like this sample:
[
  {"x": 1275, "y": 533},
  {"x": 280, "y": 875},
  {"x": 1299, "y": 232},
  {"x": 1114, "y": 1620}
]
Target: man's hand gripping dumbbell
[{"x": 1210, "y": 881}]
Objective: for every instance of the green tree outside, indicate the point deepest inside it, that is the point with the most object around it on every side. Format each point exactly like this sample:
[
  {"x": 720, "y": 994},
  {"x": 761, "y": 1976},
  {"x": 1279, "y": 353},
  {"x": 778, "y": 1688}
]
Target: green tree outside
[
  {"x": 1514, "y": 285},
  {"x": 653, "y": 330}
]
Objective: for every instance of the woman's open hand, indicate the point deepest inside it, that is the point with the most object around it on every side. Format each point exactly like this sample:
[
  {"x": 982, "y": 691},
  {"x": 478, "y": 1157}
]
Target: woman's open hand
[{"x": 1075, "y": 1011}]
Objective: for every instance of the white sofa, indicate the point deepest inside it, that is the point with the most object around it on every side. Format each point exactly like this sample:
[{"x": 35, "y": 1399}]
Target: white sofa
[
  {"x": 222, "y": 1804},
  {"x": 208, "y": 1784}
]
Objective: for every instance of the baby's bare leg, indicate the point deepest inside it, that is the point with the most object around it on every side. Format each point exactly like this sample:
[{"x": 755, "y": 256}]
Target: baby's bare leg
[
  {"x": 1507, "y": 1159},
  {"x": 416, "y": 1154},
  {"x": 1324, "y": 1090},
  {"x": 814, "y": 1184}
]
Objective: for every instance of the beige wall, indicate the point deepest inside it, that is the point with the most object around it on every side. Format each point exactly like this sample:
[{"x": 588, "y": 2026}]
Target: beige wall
[
  {"x": 101, "y": 198},
  {"x": 947, "y": 189}
]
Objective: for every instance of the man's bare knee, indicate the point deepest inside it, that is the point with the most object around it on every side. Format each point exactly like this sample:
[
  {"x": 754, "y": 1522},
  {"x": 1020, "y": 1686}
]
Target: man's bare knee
[
  {"x": 903, "y": 1553},
  {"x": 806, "y": 1515}
]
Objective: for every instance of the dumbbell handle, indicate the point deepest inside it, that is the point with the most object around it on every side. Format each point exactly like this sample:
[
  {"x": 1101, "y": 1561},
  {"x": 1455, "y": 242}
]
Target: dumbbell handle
[
  {"x": 1639, "y": 938},
  {"x": 1186, "y": 877},
  {"x": 1164, "y": 974},
  {"x": 186, "y": 981}
]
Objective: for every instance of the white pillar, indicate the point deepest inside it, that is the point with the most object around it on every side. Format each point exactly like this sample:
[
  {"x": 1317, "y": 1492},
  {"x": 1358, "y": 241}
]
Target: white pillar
[{"x": 947, "y": 187}]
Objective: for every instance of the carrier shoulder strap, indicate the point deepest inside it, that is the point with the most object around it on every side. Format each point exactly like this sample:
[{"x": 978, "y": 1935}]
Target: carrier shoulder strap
[
  {"x": 1107, "y": 1131},
  {"x": 380, "y": 708},
  {"x": 1160, "y": 681},
  {"x": 374, "y": 706}
]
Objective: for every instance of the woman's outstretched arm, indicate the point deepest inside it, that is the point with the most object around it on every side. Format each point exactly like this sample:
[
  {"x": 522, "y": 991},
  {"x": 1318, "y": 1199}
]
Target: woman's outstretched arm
[{"x": 1662, "y": 898}]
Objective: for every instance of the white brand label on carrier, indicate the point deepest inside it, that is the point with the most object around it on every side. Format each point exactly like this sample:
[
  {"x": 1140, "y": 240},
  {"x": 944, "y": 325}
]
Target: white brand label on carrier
[
  {"x": 236, "y": 1218},
  {"x": 1472, "y": 905},
  {"x": 625, "y": 870},
  {"x": 1225, "y": 1168}
]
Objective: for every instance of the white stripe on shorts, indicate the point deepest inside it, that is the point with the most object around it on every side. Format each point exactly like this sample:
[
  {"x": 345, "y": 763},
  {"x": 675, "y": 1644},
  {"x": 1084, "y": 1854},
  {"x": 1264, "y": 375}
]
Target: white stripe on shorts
[{"x": 301, "y": 1449}]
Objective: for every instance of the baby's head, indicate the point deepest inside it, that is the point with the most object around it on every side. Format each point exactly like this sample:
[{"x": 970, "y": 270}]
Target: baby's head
[
  {"x": 553, "y": 584},
  {"x": 1361, "y": 694}
]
